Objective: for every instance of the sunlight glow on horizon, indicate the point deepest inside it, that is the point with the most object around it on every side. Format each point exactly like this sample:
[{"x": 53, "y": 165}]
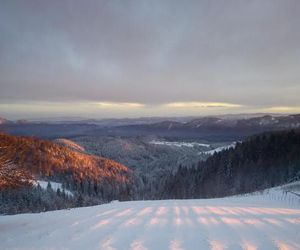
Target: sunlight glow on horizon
[
  {"x": 110, "y": 109},
  {"x": 203, "y": 105},
  {"x": 120, "y": 105}
]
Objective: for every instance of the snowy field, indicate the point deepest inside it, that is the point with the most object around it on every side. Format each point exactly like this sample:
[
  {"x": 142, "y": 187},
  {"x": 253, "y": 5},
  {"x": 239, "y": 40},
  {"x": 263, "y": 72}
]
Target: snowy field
[
  {"x": 195, "y": 144},
  {"x": 179, "y": 144},
  {"x": 270, "y": 220}
]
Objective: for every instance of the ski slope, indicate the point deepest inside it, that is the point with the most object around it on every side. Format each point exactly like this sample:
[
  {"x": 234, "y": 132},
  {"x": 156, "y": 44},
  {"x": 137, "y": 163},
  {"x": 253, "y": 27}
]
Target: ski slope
[{"x": 269, "y": 220}]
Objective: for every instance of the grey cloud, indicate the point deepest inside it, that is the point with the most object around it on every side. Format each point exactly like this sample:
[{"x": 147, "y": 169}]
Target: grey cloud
[{"x": 152, "y": 52}]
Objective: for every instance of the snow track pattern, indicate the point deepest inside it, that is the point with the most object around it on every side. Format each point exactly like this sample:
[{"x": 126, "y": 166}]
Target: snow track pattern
[{"x": 214, "y": 224}]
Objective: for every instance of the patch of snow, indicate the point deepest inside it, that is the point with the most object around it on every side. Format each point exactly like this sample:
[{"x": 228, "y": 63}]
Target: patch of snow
[
  {"x": 261, "y": 220},
  {"x": 54, "y": 186},
  {"x": 291, "y": 188},
  {"x": 179, "y": 144},
  {"x": 70, "y": 144},
  {"x": 219, "y": 149}
]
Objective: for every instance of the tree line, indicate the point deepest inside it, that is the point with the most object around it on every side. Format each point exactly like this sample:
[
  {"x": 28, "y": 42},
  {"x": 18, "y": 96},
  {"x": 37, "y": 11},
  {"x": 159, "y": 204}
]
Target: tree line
[{"x": 259, "y": 162}]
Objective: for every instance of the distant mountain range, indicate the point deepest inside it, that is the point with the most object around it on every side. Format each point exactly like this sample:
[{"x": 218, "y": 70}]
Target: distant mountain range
[
  {"x": 226, "y": 127},
  {"x": 267, "y": 121},
  {"x": 99, "y": 122},
  {"x": 108, "y": 122},
  {"x": 215, "y": 128},
  {"x": 4, "y": 121}
]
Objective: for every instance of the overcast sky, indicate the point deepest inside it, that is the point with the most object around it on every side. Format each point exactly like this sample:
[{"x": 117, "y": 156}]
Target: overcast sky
[{"x": 148, "y": 58}]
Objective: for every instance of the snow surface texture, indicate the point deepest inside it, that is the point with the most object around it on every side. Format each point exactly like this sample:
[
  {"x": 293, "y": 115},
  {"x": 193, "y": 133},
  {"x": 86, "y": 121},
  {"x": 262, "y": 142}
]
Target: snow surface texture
[{"x": 267, "y": 220}]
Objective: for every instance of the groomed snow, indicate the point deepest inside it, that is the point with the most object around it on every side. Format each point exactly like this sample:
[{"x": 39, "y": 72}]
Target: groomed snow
[{"x": 270, "y": 220}]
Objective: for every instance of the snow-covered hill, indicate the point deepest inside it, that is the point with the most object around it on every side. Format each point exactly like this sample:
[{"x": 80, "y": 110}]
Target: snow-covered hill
[{"x": 267, "y": 220}]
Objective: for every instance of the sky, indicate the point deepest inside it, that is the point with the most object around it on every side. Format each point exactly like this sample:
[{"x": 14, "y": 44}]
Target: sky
[{"x": 103, "y": 59}]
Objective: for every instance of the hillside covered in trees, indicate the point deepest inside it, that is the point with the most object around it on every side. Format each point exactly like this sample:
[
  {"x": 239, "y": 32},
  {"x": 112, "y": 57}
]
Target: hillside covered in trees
[
  {"x": 259, "y": 162},
  {"x": 92, "y": 179}
]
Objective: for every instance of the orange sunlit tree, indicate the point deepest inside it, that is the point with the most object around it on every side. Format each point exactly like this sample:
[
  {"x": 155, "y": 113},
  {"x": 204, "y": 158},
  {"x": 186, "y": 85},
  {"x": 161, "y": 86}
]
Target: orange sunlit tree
[{"x": 11, "y": 176}]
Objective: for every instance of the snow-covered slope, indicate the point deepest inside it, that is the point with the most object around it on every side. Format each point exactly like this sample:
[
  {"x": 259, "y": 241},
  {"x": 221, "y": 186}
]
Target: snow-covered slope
[
  {"x": 54, "y": 186},
  {"x": 179, "y": 144},
  {"x": 69, "y": 144},
  {"x": 219, "y": 149},
  {"x": 268, "y": 220}
]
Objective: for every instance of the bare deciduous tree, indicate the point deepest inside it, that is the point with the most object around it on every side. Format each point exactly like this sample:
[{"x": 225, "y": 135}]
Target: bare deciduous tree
[{"x": 11, "y": 176}]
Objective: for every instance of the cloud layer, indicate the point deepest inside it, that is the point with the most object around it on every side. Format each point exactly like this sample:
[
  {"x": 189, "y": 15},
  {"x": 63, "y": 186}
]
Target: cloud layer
[{"x": 150, "y": 54}]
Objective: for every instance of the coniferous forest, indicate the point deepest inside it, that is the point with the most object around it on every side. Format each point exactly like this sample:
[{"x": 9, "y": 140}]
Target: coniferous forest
[{"x": 259, "y": 162}]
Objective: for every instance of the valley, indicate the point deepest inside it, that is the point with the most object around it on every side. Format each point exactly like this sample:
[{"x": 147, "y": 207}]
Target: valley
[
  {"x": 98, "y": 167},
  {"x": 142, "y": 152},
  {"x": 150, "y": 125}
]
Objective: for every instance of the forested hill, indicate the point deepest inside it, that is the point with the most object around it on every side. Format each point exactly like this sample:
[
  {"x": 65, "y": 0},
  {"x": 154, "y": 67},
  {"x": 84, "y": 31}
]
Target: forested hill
[
  {"x": 84, "y": 173},
  {"x": 259, "y": 162}
]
